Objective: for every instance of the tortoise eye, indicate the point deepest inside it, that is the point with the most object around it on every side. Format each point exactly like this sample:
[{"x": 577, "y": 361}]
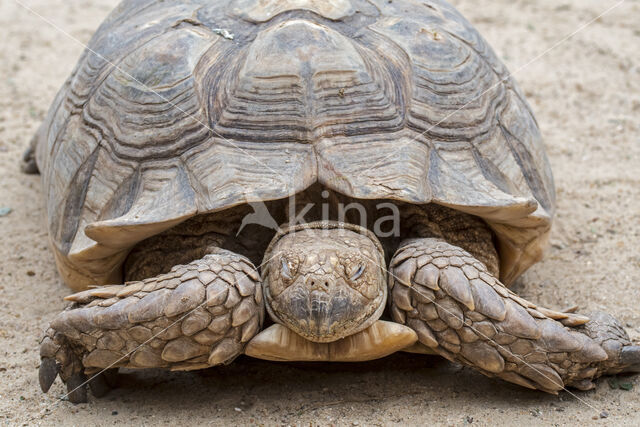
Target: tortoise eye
[
  {"x": 286, "y": 272},
  {"x": 357, "y": 273}
]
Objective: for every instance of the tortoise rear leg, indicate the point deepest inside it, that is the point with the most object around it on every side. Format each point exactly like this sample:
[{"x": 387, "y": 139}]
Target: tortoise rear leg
[
  {"x": 28, "y": 163},
  {"x": 196, "y": 316},
  {"x": 462, "y": 312}
]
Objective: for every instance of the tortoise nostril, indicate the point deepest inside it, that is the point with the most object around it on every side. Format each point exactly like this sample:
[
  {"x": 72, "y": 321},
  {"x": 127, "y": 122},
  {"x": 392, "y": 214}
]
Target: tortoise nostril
[{"x": 315, "y": 283}]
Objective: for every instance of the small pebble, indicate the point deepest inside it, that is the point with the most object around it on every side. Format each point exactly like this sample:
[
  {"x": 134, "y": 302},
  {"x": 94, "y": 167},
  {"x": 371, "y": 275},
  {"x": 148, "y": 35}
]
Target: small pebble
[{"x": 604, "y": 414}]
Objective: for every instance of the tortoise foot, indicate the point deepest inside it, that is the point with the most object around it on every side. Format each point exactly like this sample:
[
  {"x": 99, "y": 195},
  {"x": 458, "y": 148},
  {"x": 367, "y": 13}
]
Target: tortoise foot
[
  {"x": 194, "y": 317},
  {"x": 463, "y": 313},
  {"x": 58, "y": 359},
  {"x": 623, "y": 355},
  {"x": 28, "y": 163}
]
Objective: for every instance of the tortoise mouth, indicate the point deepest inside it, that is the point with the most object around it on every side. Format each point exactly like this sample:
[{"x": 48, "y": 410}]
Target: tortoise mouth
[
  {"x": 321, "y": 317},
  {"x": 325, "y": 280},
  {"x": 278, "y": 343}
]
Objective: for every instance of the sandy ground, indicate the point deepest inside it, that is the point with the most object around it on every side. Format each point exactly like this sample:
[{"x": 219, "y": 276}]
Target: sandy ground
[{"x": 586, "y": 94}]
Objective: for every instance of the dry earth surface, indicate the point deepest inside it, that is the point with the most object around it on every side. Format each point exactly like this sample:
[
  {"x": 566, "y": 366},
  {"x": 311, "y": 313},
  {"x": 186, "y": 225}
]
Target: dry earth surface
[{"x": 586, "y": 95}]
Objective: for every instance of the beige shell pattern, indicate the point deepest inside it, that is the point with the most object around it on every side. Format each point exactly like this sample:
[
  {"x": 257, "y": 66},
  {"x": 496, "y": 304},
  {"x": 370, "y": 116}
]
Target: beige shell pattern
[{"x": 183, "y": 108}]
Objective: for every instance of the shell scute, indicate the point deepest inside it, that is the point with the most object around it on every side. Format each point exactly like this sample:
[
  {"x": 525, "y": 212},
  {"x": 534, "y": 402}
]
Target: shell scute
[{"x": 170, "y": 119}]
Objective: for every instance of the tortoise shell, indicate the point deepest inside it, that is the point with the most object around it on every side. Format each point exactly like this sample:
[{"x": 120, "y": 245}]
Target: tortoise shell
[{"x": 177, "y": 109}]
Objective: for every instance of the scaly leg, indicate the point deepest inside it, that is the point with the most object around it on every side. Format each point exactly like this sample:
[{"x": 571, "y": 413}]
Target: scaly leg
[
  {"x": 196, "y": 316},
  {"x": 28, "y": 163},
  {"x": 462, "y": 312}
]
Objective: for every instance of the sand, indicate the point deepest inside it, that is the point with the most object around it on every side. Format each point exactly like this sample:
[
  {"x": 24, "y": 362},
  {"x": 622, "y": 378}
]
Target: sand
[{"x": 586, "y": 95}]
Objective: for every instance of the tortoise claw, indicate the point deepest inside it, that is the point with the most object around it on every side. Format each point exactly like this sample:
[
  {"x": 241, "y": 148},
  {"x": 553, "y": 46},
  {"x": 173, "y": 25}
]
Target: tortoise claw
[
  {"x": 77, "y": 388},
  {"x": 570, "y": 309},
  {"x": 583, "y": 385},
  {"x": 47, "y": 373}
]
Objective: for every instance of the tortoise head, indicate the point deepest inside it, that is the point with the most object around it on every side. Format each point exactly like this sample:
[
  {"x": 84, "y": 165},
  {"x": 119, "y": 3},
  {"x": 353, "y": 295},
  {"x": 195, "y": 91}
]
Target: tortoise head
[{"x": 325, "y": 280}]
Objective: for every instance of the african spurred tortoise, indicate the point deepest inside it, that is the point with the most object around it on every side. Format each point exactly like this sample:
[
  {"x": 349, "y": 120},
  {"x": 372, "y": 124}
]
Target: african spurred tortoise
[{"x": 371, "y": 133}]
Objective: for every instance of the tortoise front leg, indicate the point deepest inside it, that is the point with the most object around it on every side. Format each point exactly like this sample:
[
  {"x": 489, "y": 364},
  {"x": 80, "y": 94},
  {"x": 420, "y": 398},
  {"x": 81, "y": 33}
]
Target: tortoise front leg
[
  {"x": 462, "y": 312},
  {"x": 196, "y": 316}
]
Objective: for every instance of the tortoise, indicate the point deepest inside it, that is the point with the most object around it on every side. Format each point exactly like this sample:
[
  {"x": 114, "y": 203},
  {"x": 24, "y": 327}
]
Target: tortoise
[{"x": 301, "y": 180}]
